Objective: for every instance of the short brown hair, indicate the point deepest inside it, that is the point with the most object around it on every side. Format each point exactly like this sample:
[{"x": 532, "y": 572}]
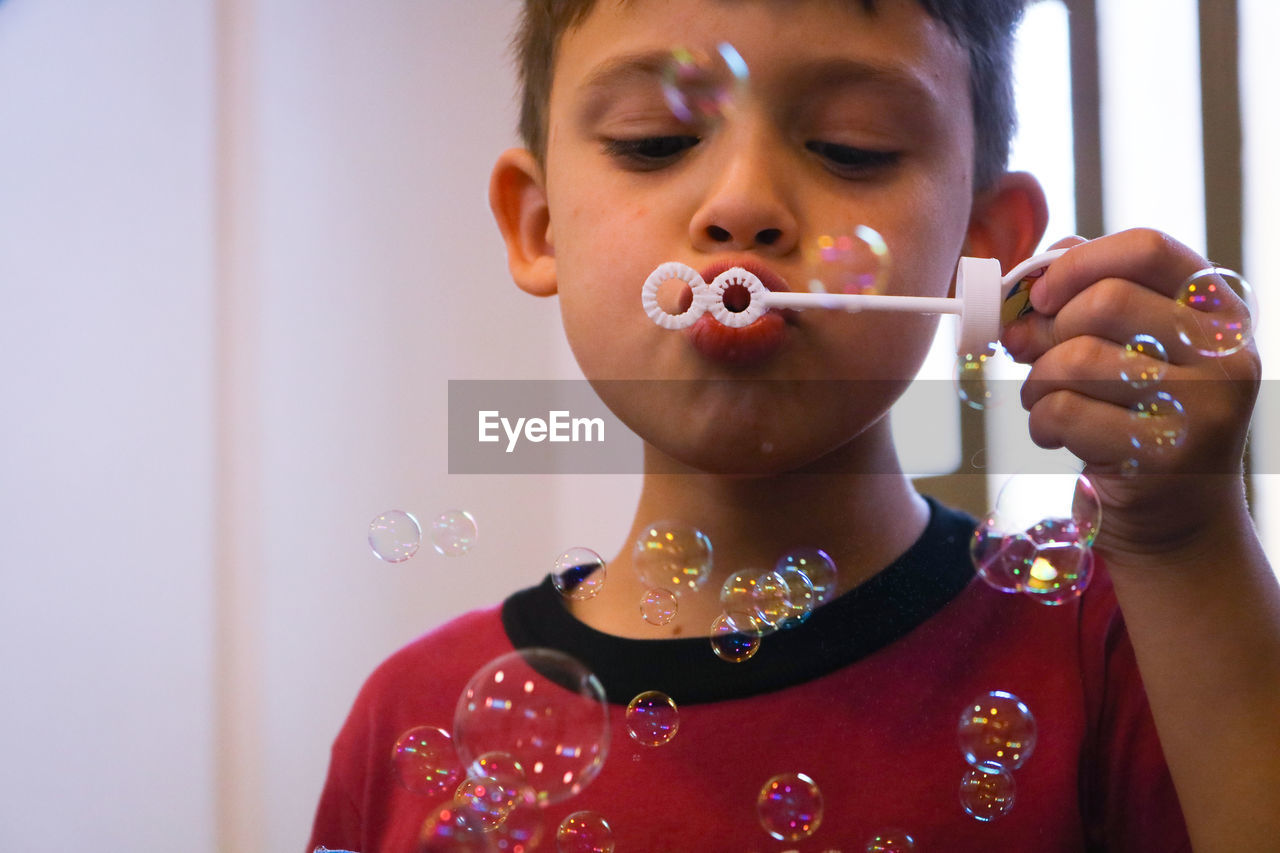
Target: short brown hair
[{"x": 984, "y": 28}]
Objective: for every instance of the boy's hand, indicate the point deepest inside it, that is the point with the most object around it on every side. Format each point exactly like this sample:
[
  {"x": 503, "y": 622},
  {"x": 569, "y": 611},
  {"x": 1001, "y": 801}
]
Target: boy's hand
[{"x": 1157, "y": 500}]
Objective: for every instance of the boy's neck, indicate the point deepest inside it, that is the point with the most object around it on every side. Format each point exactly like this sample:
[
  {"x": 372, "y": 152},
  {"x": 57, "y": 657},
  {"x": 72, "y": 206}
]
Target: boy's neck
[{"x": 863, "y": 521}]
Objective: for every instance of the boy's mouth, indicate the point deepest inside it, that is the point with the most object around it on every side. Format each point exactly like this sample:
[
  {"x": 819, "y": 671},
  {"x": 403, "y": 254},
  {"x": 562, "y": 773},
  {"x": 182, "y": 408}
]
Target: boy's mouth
[{"x": 748, "y": 345}]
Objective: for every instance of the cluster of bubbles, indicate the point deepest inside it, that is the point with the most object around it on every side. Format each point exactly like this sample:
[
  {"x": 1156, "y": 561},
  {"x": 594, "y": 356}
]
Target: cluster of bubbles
[
  {"x": 396, "y": 535},
  {"x": 996, "y": 735},
  {"x": 1050, "y": 559}
]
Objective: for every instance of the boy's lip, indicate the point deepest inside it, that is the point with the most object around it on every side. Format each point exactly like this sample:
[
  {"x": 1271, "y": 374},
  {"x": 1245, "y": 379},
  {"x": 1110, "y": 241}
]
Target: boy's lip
[{"x": 748, "y": 345}]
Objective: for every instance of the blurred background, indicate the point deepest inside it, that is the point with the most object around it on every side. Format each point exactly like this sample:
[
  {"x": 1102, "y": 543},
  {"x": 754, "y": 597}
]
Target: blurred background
[{"x": 243, "y": 247}]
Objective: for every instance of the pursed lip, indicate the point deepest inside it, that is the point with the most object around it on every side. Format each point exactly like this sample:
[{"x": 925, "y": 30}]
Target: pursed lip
[{"x": 748, "y": 345}]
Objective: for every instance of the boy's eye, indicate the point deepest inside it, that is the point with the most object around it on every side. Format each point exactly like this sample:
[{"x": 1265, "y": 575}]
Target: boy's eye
[
  {"x": 650, "y": 152},
  {"x": 850, "y": 160}
]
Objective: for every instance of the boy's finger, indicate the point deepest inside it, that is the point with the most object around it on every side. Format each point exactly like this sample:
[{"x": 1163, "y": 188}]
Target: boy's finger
[
  {"x": 1148, "y": 257},
  {"x": 1094, "y": 368}
]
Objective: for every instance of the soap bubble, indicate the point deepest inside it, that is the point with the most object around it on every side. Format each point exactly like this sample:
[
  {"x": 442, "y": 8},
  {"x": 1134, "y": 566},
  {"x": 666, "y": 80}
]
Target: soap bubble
[
  {"x": 395, "y": 536},
  {"x": 1216, "y": 312},
  {"x": 700, "y": 87},
  {"x": 735, "y": 636},
  {"x": 671, "y": 555},
  {"x": 1144, "y": 361},
  {"x": 659, "y": 606},
  {"x": 486, "y": 798},
  {"x": 971, "y": 384},
  {"x": 855, "y": 263},
  {"x": 783, "y": 599},
  {"x": 996, "y": 732},
  {"x": 453, "y": 532},
  {"x": 739, "y": 589},
  {"x": 985, "y": 795},
  {"x": 542, "y": 708},
  {"x": 425, "y": 762},
  {"x": 578, "y": 574},
  {"x": 1159, "y": 424},
  {"x": 815, "y": 564},
  {"x": 454, "y": 828},
  {"x": 584, "y": 832},
  {"x": 790, "y": 807},
  {"x": 890, "y": 841},
  {"x": 1063, "y": 564},
  {"x": 652, "y": 718},
  {"x": 500, "y": 796},
  {"x": 1017, "y": 549}
]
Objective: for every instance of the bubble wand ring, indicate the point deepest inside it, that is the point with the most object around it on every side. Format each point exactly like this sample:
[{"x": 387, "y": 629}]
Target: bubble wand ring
[{"x": 702, "y": 298}]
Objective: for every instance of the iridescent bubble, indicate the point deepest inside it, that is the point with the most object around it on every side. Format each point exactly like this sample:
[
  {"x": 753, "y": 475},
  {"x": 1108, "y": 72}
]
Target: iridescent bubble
[
  {"x": 1063, "y": 563},
  {"x": 1002, "y": 559},
  {"x": 735, "y": 636},
  {"x": 395, "y": 536},
  {"x": 674, "y": 556},
  {"x": 700, "y": 87},
  {"x": 783, "y": 600},
  {"x": 1159, "y": 424},
  {"x": 1144, "y": 361},
  {"x": 790, "y": 807},
  {"x": 454, "y": 828},
  {"x": 508, "y": 805},
  {"x": 985, "y": 795},
  {"x": 453, "y": 532},
  {"x": 542, "y": 708},
  {"x": 652, "y": 718},
  {"x": 971, "y": 385},
  {"x": 578, "y": 574},
  {"x": 425, "y": 761},
  {"x": 584, "y": 832},
  {"x": 739, "y": 589},
  {"x": 1217, "y": 313},
  {"x": 659, "y": 606},
  {"x": 890, "y": 841},
  {"x": 815, "y": 564},
  {"x": 855, "y": 263},
  {"x": 996, "y": 732},
  {"x": 486, "y": 798},
  {"x": 1017, "y": 549}
]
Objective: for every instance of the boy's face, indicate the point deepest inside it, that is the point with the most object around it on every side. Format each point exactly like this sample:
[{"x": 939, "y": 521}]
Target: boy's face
[{"x": 850, "y": 119}]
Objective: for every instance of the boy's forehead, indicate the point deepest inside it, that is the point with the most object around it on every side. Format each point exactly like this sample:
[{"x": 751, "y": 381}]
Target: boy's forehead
[{"x": 783, "y": 41}]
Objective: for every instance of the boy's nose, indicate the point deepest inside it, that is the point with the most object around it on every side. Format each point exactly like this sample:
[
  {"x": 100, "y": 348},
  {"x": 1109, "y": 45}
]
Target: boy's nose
[{"x": 745, "y": 208}]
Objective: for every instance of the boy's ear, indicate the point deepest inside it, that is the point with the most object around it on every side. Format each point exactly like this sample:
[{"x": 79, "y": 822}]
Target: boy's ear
[
  {"x": 1008, "y": 220},
  {"x": 518, "y": 199}
]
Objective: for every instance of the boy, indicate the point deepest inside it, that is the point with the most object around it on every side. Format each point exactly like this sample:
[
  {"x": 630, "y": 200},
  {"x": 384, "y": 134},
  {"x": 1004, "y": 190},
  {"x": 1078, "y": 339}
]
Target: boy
[{"x": 892, "y": 113}]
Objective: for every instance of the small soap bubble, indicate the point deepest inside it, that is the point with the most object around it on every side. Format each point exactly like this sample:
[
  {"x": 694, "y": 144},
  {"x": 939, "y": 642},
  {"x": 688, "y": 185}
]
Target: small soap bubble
[
  {"x": 1217, "y": 312},
  {"x": 985, "y": 795},
  {"x": 454, "y": 828},
  {"x": 674, "y": 556},
  {"x": 501, "y": 797},
  {"x": 659, "y": 606},
  {"x": 1144, "y": 362},
  {"x": 652, "y": 718},
  {"x": 790, "y": 807},
  {"x": 890, "y": 841},
  {"x": 545, "y": 710},
  {"x": 578, "y": 574},
  {"x": 971, "y": 384},
  {"x": 453, "y": 532},
  {"x": 783, "y": 600},
  {"x": 701, "y": 87},
  {"x": 996, "y": 732},
  {"x": 584, "y": 832},
  {"x": 425, "y": 761},
  {"x": 1063, "y": 563},
  {"x": 486, "y": 798},
  {"x": 1002, "y": 560},
  {"x": 853, "y": 263},
  {"x": 735, "y": 636},
  {"x": 739, "y": 589},
  {"x": 1159, "y": 424},
  {"x": 395, "y": 536},
  {"x": 815, "y": 564}
]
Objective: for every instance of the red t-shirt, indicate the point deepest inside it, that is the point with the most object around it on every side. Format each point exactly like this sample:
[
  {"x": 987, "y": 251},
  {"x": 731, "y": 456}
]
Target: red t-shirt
[{"x": 864, "y": 697}]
